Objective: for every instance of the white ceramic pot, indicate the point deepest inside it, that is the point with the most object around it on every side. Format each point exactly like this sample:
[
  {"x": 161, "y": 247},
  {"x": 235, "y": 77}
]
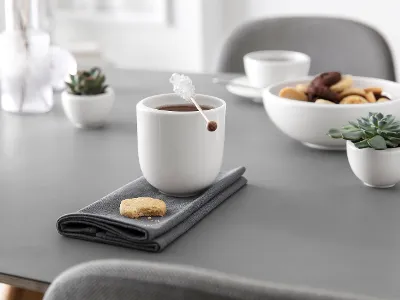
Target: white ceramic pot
[
  {"x": 309, "y": 122},
  {"x": 88, "y": 111},
  {"x": 177, "y": 154},
  {"x": 375, "y": 168}
]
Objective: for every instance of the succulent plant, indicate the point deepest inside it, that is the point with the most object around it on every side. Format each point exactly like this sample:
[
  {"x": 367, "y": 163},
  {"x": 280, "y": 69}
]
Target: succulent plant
[
  {"x": 376, "y": 131},
  {"x": 87, "y": 82}
]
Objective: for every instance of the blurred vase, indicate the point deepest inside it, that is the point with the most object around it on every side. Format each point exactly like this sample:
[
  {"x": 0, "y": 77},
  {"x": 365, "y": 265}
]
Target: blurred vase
[
  {"x": 30, "y": 66},
  {"x": 26, "y": 83}
]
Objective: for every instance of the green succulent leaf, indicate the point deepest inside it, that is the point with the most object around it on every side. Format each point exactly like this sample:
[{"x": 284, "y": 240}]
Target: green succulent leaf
[
  {"x": 369, "y": 134},
  {"x": 393, "y": 126},
  {"x": 391, "y": 144},
  {"x": 394, "y": 139},
  {"x": 72, "y": 78},
  {"x": 391, "y": 134},
  {"x": 389, "y": 120},
  {"x": 353, "y": 124},
  {"x": 335, "y": 133},
  {"x": 85, "y": 82},
  {"x": 365, "y": 119},
  {"x": 374, "y": 121},
  {"x": 352, "y": 135},
  {"x": 95, "y": 70},
  {"x": 366, "y": 127},
  {"x": 362, "y": 144},
  {"x": 70, "y": 86},
  {"x": 379, "y": 116},
  {"x": 104, "y": 88},
  {"x": 382, "y": 123},
  {"x": 377, "y": 142},
  {"x": 349, "y": 127}
]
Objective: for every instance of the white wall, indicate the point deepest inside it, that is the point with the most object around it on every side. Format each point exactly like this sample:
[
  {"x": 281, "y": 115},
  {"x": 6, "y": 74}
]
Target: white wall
[
  {"x": 147, "y": 46},
  {"x": 220, "y": 17},
  {"x": 190, "y": 43},
  {"x": 158, "y": 47}
]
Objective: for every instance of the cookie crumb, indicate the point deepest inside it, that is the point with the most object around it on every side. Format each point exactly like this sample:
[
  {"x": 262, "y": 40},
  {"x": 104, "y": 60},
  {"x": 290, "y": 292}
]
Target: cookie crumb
[{"x": 149, "y": 218}]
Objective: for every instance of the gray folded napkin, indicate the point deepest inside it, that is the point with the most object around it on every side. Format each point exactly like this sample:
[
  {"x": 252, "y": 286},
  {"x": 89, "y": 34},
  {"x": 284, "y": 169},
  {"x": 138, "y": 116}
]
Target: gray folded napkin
[{"x": 102, "y": 222}]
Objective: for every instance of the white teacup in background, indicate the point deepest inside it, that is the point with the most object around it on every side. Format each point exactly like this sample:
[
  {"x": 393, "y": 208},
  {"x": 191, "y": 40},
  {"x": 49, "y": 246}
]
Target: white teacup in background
[
  {"x": 264, "y": 68},
  {"x": 177, "y": 154}
]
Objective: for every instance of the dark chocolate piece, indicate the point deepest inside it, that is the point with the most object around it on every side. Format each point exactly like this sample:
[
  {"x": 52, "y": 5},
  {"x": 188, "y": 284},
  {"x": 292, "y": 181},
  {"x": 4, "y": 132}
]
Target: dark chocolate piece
[{"x": 322, "y": 92}]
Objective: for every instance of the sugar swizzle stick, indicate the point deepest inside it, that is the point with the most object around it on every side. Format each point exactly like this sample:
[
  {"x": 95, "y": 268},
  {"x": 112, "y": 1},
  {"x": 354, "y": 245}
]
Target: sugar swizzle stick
[{"x": 184, "y": 88}]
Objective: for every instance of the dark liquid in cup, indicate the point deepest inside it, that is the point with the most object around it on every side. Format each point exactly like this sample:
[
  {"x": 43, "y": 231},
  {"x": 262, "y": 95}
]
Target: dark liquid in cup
[{"x": 183, "y": 107}]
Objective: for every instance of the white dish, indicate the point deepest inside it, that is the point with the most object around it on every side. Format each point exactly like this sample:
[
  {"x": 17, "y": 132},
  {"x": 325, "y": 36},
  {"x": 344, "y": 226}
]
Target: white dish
[
  {"x": 309, "y": 122},
  {"x": 254, "y": 93}
]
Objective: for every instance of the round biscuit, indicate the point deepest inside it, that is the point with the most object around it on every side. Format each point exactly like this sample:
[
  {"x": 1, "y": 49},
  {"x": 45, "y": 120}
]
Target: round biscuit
[
  {"x": 292, "y": 93},
  {"x": 353, "y": 99},
  {"x": 323, "y": 101},
  {"x": 370, "y": 97},
  {"x": 380, "y": 100},
  {"x": 302, "y": 87},
  {"x": 374, "y": 89},
  {"x": 352, "y": 91},
  {"x": 344, "y": 83}
]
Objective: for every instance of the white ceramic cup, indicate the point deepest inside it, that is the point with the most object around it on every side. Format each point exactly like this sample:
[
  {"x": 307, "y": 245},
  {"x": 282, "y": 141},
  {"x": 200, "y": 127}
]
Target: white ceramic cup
[
  {"x": 264, "y": 68},
  {"x": 177, "y": 154}
]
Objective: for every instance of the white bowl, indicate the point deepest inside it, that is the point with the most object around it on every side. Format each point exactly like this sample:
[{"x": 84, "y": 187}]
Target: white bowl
[
  {"x": 309, "y": 122},
  {"x": 375, "y": 168},
  {"x": 88, "y": 111}
]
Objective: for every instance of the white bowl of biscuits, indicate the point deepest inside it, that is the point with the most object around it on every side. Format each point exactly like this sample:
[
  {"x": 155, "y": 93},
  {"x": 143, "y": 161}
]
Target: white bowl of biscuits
[{"x": 306, "y": 109}]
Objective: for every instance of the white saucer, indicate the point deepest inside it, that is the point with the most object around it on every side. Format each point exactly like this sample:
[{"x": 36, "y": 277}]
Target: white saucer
[{"x": 254, "y": 93}]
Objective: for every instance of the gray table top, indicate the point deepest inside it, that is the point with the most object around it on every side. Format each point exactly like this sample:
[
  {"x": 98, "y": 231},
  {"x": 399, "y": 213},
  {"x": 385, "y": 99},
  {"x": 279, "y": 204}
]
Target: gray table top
[{"x": 303, "y": 219}]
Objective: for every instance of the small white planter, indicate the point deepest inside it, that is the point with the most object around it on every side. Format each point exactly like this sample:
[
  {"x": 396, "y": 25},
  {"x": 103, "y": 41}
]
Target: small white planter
[
  {"x": 88, "y": 111},
  {"x": 375, "y": 168}
]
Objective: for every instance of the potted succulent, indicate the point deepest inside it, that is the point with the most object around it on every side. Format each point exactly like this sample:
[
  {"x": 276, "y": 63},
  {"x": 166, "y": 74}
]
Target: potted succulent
[
  {"x": 373, "y": 149},
  {"x": 87, "y": 100}
]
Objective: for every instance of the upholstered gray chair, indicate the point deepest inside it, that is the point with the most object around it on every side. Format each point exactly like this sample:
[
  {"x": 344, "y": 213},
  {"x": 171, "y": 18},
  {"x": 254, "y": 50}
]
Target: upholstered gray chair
[
  {"x": 333, "y": 45},
  {"x": 122, "y": 280}
]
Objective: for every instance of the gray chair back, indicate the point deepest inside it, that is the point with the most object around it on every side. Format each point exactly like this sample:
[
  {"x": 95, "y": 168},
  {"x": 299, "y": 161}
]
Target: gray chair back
[
  {"x": 333, "y": 45},
  {"x": 134, "y": 280}
]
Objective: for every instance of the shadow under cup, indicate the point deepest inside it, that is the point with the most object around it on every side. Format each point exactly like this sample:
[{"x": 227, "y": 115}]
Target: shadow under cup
[{"x": 177, "y": 154}]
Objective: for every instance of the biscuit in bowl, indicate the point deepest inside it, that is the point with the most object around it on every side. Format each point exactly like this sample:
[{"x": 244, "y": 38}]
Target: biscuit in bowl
[
  {"x": 323, "y": 101},
  {"x": 292, "y": 93},
  {"x": 344, "y": 83},
  {"x": 353, "y": 99},
  {"x": 334, "y": 87}
]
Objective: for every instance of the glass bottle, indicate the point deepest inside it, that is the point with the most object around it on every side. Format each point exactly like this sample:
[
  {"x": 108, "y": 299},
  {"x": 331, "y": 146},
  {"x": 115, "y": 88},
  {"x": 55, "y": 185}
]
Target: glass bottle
[{"x": 25, "y": 61}]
